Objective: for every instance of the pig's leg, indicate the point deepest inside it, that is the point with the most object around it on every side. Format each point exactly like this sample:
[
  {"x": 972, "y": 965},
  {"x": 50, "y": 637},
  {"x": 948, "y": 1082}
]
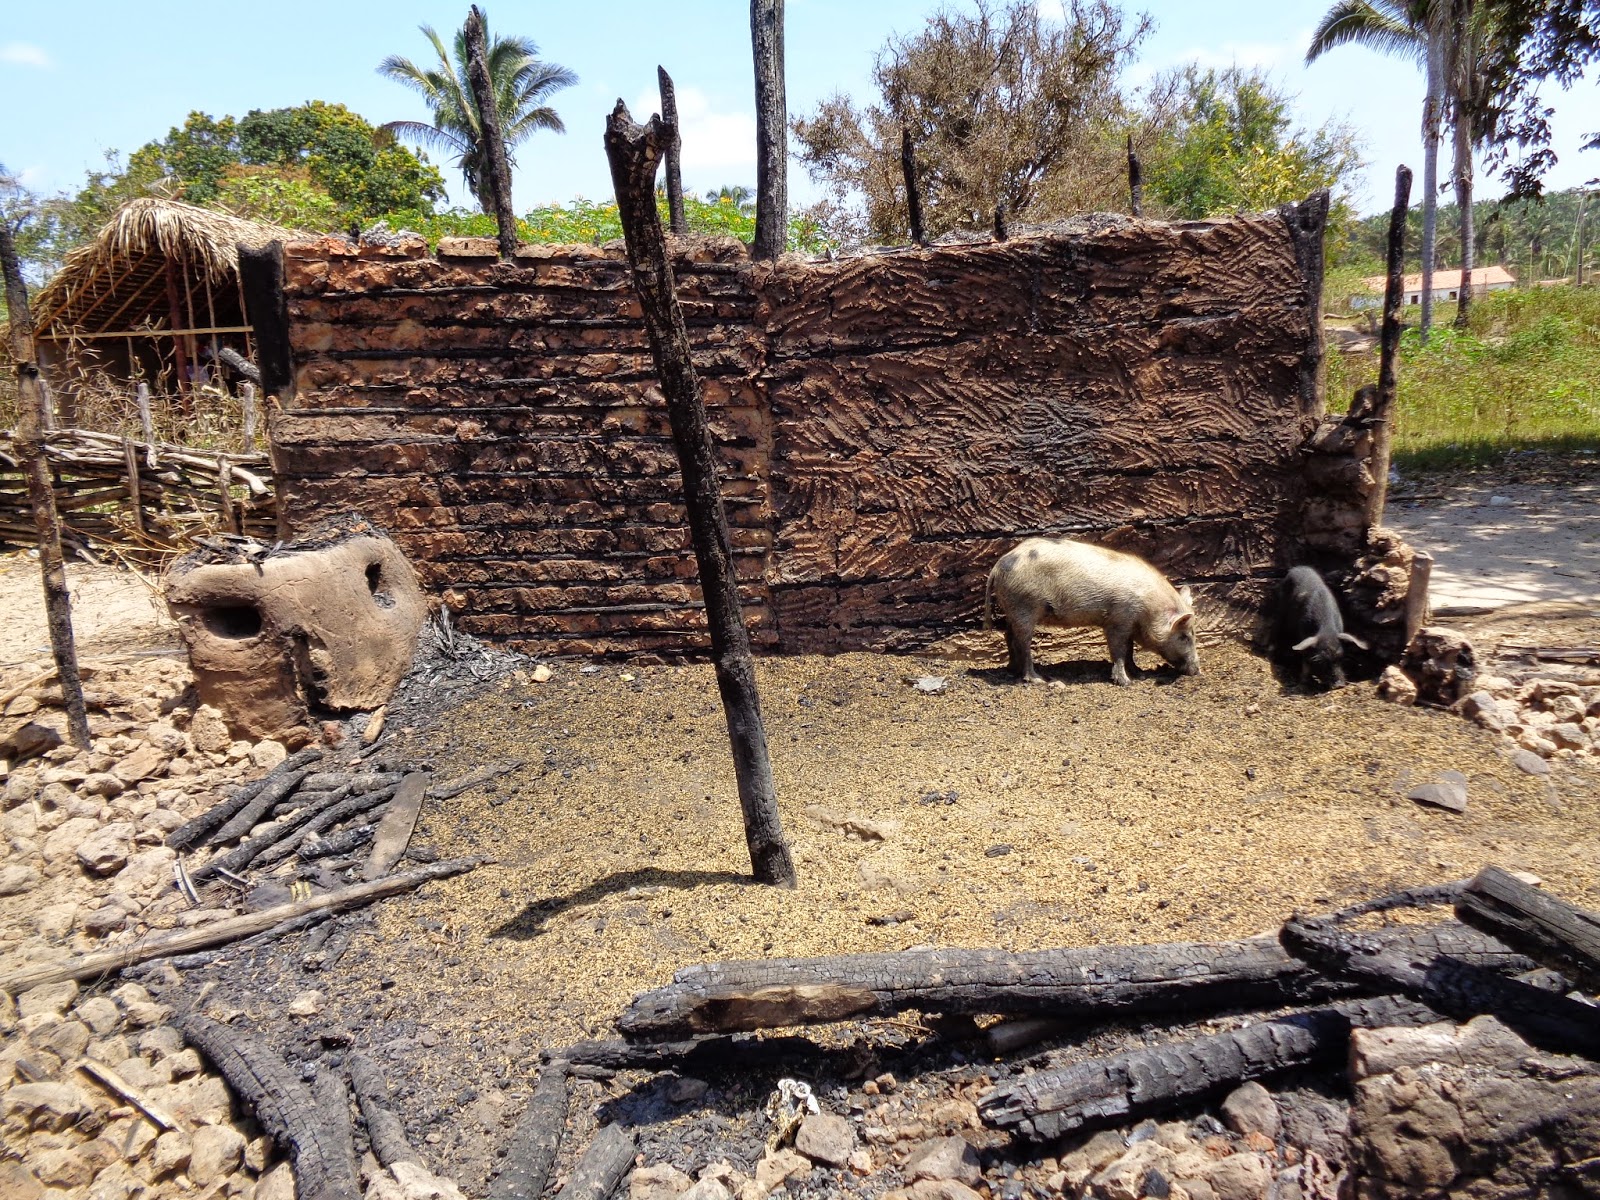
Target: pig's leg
[
  {"x": 1019, "y": 644},
  {"x": 1119, "y": 640}
]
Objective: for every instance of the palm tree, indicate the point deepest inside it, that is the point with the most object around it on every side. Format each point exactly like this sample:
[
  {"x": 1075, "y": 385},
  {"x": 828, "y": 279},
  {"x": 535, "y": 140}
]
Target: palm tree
[
  {"x": 522, "y": 85},
  {"x": 1415, "y": 29}
]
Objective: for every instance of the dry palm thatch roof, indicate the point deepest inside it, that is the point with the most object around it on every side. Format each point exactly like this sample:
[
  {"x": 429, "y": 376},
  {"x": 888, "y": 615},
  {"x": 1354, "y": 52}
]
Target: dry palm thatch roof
[{"x": 154, "y": 261}]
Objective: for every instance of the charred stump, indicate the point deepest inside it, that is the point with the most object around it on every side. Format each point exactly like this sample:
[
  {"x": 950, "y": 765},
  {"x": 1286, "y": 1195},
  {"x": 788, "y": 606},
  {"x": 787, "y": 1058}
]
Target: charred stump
[
  {"x": 772, "y": 130},
  {"x": 676, "y": 221},
  {"x": 634, "y": 152},
  {"x": 1382, "y": 419},
  {"x": 908, "y": 168},
  {"x": 493, "y": 136}
]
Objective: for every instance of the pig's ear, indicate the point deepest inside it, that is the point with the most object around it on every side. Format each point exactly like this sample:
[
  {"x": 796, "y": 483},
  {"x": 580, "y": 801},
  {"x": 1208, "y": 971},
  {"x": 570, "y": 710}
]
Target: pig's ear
[
  {"x": 1186, "y": 596},
  {"x": 1302, "y": 647},
  {"x": 1354, "y": 641},
  {"x": 1182, "y": 622}
]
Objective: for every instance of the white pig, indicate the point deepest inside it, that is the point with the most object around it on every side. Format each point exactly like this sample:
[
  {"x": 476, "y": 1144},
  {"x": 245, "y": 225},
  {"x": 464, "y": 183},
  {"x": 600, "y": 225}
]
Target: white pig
[{"x": 1045, "y": 581}]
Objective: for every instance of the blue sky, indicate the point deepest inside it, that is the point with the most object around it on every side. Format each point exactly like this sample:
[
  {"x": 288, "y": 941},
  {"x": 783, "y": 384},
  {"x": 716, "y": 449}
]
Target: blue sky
[{"x": 89, "y": 75}]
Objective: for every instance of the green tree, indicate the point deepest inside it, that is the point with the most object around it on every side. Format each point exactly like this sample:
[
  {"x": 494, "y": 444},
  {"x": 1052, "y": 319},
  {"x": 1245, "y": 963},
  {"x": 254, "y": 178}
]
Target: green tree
[
  {"x": 196, "y": 156},
  {"x": 1232, "y": 148},
  {"x": 359, "y": 167},
  {"x": 522, "y": 83}
]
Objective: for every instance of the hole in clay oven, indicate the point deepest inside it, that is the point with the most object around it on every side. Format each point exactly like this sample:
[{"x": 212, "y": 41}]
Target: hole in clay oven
[
  {"x": 375, "y": 586},
  {"x": 237, "y": 622}
]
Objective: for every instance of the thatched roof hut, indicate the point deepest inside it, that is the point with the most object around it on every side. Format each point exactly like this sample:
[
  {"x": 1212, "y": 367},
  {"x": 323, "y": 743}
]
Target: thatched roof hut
[{"x": 154, "y": 295}]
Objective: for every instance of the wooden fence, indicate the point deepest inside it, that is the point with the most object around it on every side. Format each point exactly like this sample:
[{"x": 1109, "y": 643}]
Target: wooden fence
[{"x": 141, "y": 499}]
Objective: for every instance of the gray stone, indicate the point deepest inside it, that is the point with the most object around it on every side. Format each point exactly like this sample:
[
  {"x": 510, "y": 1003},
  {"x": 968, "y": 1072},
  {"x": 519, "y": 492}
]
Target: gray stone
[
  {"x": 50, "y": 1106},
  {"x": 708, "y": 1188},
  {"x": 65, "y": 838},
  {"x": 107, "y": 850},
  {"x": 215, "y": 1152},
  {"x": 99, "y": 1014},
  {"x": 1567, "y": 735},
  {"x": 53, "y": 998},
  {"x": 1250, "y": 1108},
  {"x": 15, "y": 878},
  {"x": 1241, "y": 1177},
  {"x": 661, "y": 1181},
  {"x": 944, "y": 1158},
  {"x": 1449, "y": 791},
  {"x": 103, "y": 783},
  {"x": 1529, "y": 762},
  {"x": 826, "y": 1138},
  {"x": 171, "y": 1152}
]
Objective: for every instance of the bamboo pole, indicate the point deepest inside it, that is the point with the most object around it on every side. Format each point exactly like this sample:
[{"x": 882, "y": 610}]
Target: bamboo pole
[
  {"x": 634, "y": 152},
  {"x": 41, "y": 491},
  {"x": 493, "y": 138}
]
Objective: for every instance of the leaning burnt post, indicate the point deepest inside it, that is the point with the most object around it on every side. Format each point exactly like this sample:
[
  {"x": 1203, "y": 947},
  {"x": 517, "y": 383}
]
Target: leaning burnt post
[
  {"x": 772, "y": 130},
  {"x": 31, "y": 423},
  {"x": 676, "y": 221},
  {"x": 634, "y": 152},
  {"x": 493, "y": 138},
  {"x": 1389, "y": 348},
  {"x": 908, "y": 167},
  {"x": 1135, "y": 181}
]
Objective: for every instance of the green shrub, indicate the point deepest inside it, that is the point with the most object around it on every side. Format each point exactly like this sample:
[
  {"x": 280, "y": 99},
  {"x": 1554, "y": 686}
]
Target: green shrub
[{"x": 1525, "y": 374}]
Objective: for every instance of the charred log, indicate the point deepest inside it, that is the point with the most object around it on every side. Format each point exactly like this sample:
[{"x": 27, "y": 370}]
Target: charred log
[
  {"x": 536, "y": 1141},
  {"x": 1545, "y": 928}
]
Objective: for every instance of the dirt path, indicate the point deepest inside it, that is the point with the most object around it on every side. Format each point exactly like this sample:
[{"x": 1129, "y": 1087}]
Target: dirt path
[{"x": 1497, "y": 542}]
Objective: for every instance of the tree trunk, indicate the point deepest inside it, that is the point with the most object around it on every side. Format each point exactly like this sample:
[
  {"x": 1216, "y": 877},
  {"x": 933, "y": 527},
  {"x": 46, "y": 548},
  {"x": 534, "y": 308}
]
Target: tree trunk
[
  {"x": 1121, "y": 1088},
  {"x": 772, "y": 130},
  {"x": 1432, "y": 115},
  {"x": 1463, "y": 180},
  {"x": 908, "y": 168},
  {"x": 31, "y": 423},
  {"x": 676, "y": 221},
  {"x": 494, "y": 143},
  {"x": 634, "y": 152},
  {"x": 1389, "y": 350}
]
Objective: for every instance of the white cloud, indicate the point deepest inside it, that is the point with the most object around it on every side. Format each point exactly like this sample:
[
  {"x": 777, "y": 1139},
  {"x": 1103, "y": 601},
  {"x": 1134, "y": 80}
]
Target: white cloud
[
  {"x": 22, "y": 54},
  {"x": 714, "y": 143},
  {"x": 1051, "y": 10}
]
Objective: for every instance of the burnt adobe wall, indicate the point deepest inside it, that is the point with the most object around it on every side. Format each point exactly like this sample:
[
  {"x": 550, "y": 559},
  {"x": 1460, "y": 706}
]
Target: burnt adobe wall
[{"x": 889, "y": 423}]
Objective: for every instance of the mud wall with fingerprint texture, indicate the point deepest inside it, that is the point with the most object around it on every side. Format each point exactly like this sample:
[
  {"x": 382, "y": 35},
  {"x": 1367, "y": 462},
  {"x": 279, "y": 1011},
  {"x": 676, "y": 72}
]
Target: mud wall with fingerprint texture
[{"x": 888, "y": 423}]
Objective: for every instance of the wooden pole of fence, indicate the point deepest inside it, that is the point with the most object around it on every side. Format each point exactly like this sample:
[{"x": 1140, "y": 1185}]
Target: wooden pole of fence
[
  {"x": 147, "y": 426},
  {"x": 225, "y": 494},
  {"x": 1389, "y": 349},
  {"x": 41, "y": 491},
  {"x": 1135, "y": 181},
  {"x": 130, "y": 454},
  {"x": 247, "y": 398},
  {"x": 634, "y": 152},
  {"x": 908, "y": 168},
  {"x": 493, "y": 139}
]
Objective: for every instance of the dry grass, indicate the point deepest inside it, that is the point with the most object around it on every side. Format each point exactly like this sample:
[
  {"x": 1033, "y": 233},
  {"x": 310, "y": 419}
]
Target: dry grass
[{"x": 1170, "y": 810}]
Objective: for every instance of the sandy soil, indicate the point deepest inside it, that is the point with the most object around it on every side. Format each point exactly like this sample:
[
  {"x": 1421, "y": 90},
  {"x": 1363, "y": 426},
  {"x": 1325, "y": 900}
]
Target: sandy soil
[{"x": 114, "y": 612}]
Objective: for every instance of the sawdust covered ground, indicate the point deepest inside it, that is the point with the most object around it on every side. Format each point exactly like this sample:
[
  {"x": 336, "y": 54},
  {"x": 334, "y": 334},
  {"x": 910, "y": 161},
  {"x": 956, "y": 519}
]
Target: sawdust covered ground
[{"x": 1192, "y": 808}]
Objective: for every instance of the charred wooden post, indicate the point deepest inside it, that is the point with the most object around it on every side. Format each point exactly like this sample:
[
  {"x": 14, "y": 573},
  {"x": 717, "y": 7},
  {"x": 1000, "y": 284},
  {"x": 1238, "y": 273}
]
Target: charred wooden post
[
  {"x": 676, "y": 221},
  {"x": 286, "y": 1109},
  {"x": 634, "y": 152},
  {"x": 772, "y": 130},
  {"x": 41, "y": 490},
  {"x": 267, "y": 311},
  {"x": 602, "y": 1166},
  {"x": 1382, "y": 419},
  {"x": 1083, "y": 983},
  {"x": 1156, "y": 1079},
  {"x": 147, "y": 428},
  {"x": 1135, "y": 181},
  {"x": 1448, "y": 983},
  {"x": 1544, "y": 927},
  {"x": 908, "y": 168},
  {"x": 1000, "y": 230},
  {"x": 537, "y": 1139},
  {"x": 494, "y": 141},
  {"x": 384, "y": 1130}
]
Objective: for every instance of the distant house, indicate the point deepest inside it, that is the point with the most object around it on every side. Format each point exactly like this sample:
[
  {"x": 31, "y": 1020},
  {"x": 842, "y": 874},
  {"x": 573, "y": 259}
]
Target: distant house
[{"x": 1446, "y": 285}]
